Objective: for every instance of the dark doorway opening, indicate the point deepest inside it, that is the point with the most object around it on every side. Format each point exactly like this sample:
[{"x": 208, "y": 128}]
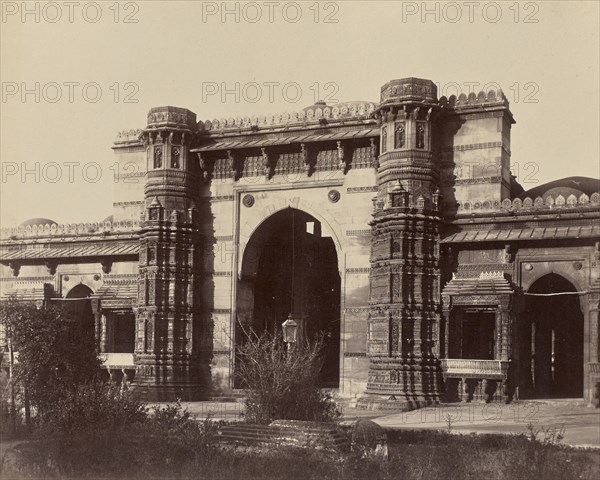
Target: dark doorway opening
[
  {"x": 478, "y": 335},
  {"x": 122, "y": 332},
  {"x": 79, "y": 305},
  {"x": 293, "y": 269},
  {"x": 555, "y": 339}
]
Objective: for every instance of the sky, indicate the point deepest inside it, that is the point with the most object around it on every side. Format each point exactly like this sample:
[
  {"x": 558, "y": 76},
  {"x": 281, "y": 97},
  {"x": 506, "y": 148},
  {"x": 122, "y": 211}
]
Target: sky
[{"x": 73, "y": 74}]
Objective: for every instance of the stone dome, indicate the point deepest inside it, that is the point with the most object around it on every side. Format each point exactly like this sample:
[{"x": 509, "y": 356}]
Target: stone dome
[
  {"x": 38, "y": 221},
  {"x": 322, "y": 104},
  {"x": 565, "y": 187}
]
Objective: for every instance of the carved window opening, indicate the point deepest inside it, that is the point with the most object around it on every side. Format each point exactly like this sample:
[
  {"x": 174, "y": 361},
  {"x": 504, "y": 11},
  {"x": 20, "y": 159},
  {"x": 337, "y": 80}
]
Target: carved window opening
[
  {"x": 121, "y": 332},
  {"x": 158, "y": 153},
  {"x": 420, "y": 135},
  {"x": 476, "y": 332},
  {"x": 400, "y": 135},
  {"x": 383, "y": 139},
  {"x": 175, "y": 157}
]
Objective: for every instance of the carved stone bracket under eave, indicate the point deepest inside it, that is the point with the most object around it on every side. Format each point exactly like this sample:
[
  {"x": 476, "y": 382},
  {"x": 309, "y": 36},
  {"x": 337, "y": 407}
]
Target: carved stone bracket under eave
[
  {"x": 51, "y": 266},
  {"x": 205, "y": 167},
  {"x": 237, "y": 165},
  {"x": 268, "y": 165},
  {"x": 373, "y": 148},
  {"x": 509, "y": 253},
  {"x": 15, "y": 267},
  {"x": 106, "y": 265}
]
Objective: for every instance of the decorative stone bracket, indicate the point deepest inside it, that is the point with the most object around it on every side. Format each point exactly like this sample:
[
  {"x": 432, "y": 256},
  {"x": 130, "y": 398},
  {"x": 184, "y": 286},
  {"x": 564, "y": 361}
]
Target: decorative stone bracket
[
  {"x": 237, "y": 165},
  {"x": 268, "y": 165},
  {"x": 15, "y": 267},
  {"x": 106, "y": 265},
  {"x": 206, "y": 167},
  {"x": 509, "y": 253},
  {"x": 51, "y": 266}
]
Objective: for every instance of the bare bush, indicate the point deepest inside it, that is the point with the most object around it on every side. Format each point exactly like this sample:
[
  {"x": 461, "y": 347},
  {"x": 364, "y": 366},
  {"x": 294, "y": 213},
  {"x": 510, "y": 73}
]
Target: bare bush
[{"x": 283, "y": 385}]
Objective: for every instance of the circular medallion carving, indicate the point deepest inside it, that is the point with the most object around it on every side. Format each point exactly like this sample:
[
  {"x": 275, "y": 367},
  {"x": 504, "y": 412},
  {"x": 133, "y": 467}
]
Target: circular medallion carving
[
  {"x": 66, "y": 278},
  {"x": 528, "y": 267},
  {"x": 334, "y": 196},
  {"x": 578, "y": 265},
  {"x": 248, "y": 201},
  {"x": 96, "y": 277}
]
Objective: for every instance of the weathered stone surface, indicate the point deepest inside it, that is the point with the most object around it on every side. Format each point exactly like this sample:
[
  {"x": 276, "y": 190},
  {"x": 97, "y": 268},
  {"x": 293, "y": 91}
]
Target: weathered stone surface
[
  {"x": 404, "y": 195},
  {"x": 369, "y": 437},
  {"x": 286, "y": 432}
]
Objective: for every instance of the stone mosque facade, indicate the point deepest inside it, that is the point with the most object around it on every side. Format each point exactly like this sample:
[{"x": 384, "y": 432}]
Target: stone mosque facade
[{"x": 394, "y": 229}]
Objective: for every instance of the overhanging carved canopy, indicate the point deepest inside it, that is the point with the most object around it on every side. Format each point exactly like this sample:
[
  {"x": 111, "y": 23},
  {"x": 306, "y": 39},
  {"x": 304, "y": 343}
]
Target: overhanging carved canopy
[
  {"x": 118, "y": 291},
  {"x": 233, "y": 144},
  {"x": 490, "y": 288}
]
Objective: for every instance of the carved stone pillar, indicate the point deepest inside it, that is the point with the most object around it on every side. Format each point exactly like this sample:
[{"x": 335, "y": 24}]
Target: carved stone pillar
[
  {"x": 404, "y": 281},
  {"x": 503, "y": 334},
  {"x": 167, "y": 352},
  {"x": 446, "y": 313},
  {"x": 103, "y": 333},
  {"x": 456, "y": 334}
]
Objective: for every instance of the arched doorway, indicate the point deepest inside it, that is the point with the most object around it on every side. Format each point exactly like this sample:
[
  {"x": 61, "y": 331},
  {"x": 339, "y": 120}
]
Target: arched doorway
[
  {"x": 555, "y": 338},
  {"x": 79, "y": 305},
  {"x": 290, "y": 267}
]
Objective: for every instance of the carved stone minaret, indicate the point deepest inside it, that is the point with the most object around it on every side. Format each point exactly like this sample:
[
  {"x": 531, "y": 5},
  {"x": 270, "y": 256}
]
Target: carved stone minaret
[
  {"x": 168, "y": 314},
  {"x": 404, "y": 296}
]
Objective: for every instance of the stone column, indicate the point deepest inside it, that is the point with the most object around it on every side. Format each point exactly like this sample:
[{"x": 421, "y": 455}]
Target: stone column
[
  {"x": 446, "y": 315},
  {"x": 503, "y": 334},
  {"x": 404, "y": 290},
  {"x": 103, "y": 333},
  {"x": 456, "y": 337},
  {"x": 167, "y": 353}
]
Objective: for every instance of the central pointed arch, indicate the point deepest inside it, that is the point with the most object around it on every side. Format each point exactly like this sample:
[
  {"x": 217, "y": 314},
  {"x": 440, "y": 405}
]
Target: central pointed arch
[{"x": 290, "y": 265}]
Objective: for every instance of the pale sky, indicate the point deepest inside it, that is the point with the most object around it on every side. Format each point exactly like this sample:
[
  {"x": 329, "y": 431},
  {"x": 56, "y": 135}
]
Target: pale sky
[{"x": 544, "y": 55}]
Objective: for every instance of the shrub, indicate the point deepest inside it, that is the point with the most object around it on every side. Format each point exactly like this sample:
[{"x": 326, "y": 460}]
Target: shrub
[
  {"x": 98, "y": 431},
  {"x": 56, "y": 351},
  {"x": 94, "y": 406},
  {"x": 283, "y": 385}
]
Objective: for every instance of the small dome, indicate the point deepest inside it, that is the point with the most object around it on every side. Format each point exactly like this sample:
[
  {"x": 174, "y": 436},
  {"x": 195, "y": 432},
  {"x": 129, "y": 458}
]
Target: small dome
[
  {"x": 322, "y": 104},
  {"x": 38, "y": 221},
  {"x": 564, "y": 187},
  {"x": 108, "y": 219}
]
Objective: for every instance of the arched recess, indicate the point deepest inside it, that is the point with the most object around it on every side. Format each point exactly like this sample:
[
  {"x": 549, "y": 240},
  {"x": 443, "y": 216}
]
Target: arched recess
[
  {"x": 77, "y": 303},
  {"x": 554, "y": 338},
  {"x": 290, "y": 265},
  {"x": 258, "y": 216},
  {"x": 80, "y": 291}
]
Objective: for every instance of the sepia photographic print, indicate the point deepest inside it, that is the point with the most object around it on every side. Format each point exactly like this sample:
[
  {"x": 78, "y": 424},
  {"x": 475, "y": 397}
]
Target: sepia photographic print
[{"x": 299, "y": 240}]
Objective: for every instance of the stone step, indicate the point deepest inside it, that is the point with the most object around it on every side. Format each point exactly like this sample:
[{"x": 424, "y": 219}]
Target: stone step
[
  {"x": 278, "y": 428},
  {"x": 275, "y": 432},
  {"x": 300, "y": 434}
]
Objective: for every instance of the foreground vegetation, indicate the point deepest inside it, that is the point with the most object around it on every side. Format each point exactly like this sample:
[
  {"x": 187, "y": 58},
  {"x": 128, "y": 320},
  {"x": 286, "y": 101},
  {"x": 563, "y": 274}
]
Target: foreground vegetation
[
  {"x": 170, "y": 445},
  {"x": 79, "y": 427}
]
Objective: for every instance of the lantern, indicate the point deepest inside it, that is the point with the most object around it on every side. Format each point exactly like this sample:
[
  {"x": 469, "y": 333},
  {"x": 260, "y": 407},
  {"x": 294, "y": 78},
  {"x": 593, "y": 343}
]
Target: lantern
[{"x": 290, "y": 331}]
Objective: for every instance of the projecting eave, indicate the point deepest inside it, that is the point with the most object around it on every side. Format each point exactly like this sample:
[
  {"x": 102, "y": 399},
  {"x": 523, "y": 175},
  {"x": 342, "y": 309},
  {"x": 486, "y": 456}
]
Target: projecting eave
[
  {"x": 33, "y": 251},
  {"x": 263, "y": 141},
  {"x": 525, "y": 234}
]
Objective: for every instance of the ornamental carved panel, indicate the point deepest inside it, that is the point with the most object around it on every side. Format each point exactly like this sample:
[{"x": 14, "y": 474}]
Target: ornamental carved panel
[{"x": 380, "y": 288}]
